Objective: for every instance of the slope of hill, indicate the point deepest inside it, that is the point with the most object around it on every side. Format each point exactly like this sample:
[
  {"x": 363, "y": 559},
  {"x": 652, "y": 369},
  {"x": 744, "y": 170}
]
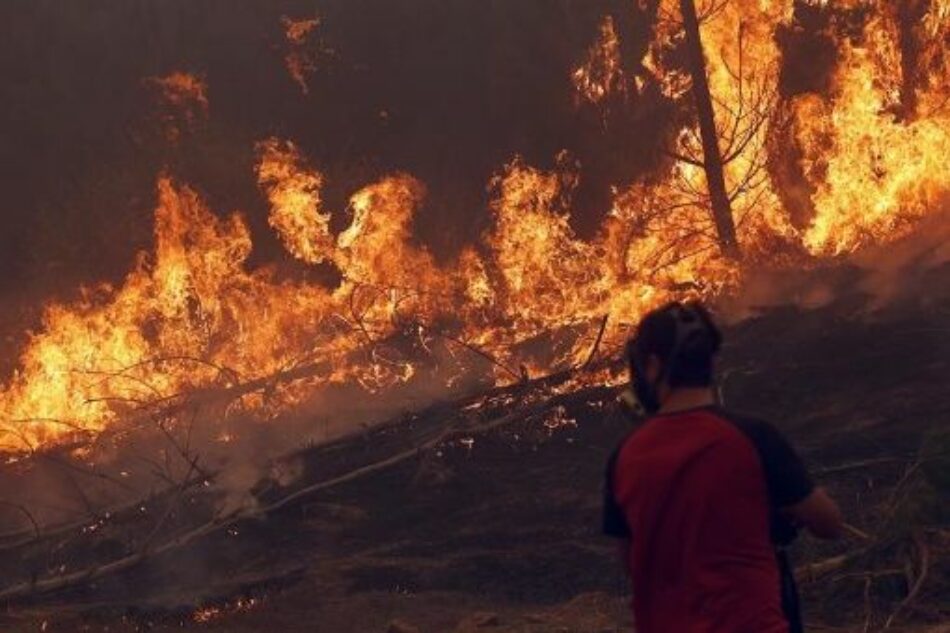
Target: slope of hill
[{"x": 493, "y": 523}]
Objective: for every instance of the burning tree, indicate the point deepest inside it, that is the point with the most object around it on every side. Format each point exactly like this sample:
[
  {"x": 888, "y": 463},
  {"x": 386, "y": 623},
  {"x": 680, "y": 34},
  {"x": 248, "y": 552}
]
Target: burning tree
[
  {"x": 713, "y": 161},
  {"x": 718, "y": 67},
  {"x": 731, "y": 89}
]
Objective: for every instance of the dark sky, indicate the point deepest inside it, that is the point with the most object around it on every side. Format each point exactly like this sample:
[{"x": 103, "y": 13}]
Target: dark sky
[{"x": 465, "y": 84}]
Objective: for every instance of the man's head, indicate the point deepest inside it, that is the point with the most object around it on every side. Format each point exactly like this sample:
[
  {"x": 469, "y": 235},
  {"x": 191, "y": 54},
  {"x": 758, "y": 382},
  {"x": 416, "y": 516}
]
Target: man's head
[{"x": 673, "y": 349}]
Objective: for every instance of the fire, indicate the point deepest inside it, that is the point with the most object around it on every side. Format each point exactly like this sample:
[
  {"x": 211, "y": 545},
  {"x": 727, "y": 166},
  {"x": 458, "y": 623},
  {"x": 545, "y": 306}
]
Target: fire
[
  {"x": 742, "y": 65},
  {"x": 542, "y": 278},
  {"x": 544, "y": 270},
  {"x": 183, "y": 98},
  {"x": 377, "y": 247},
  {"x": 204, "y": 615},
  {"x": 294, "y": 194},
  {"x": 601, "y": 74},
  {"x": 191, "y": 316},
  {"x": 183, "y": 90},
  {"x": 530, "y": 296},
  {"x": 298, "y": 30},
  {"x": 300, "y": 61},
  {"x": 876, "y": 172},
  {"x": 188, "y": 316},
  {"x": 869, "y": 148}
]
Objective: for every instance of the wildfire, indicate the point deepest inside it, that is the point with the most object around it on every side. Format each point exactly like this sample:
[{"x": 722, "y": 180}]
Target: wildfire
[
  {"x": 187, "y": 316},
  {"x": 208, "y": 614},
  {"x": 601, "y": 74},
  {"x": 876, "y": 171},
  {"x": 869, "y": 153},
  {"x": 531, "y": 296},
  {"x": 300, "y": 61},
  {"x": 183, "y": 98},
  {"x": 294, "y": 194}
]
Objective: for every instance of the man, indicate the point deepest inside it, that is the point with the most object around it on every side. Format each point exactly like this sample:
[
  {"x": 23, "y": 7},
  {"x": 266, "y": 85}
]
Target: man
[{"x": 703, "y": 499}]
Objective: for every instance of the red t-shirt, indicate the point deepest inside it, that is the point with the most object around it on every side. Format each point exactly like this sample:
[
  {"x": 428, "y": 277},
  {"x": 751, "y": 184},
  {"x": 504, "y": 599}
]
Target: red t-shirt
[{"x": 697, "y": 494}]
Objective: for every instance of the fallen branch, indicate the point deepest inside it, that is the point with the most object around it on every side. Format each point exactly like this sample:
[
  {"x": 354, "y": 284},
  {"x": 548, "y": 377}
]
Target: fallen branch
[
  {"x": 600, "y": 336},
  {"x": 865, "y": 463},
  {"x": 21, "y": 539},
  {"x": 924, "y": 553},
  {"x": 125, "y": 563},
  {"x": 480, "y": 352},
  {"x": 12, "y": 541},
  {"x": 811, "y": 572},
  {"x": 443, "y": 437},
  {"x": 87, "y": 471},
  {"x": 857, "y": 532},
  {"x": 23, "y": 510}
]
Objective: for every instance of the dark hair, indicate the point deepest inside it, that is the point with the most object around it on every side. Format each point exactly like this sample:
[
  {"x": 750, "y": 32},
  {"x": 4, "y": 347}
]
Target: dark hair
[{"x": 657, "y": 335}]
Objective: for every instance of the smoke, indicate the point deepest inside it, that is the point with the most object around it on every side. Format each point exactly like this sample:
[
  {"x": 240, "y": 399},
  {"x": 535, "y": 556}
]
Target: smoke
[
  {"x": 212, "y": 447},
  {"x": 910, "y": 270},
  {"x": 910, "y": 273}
]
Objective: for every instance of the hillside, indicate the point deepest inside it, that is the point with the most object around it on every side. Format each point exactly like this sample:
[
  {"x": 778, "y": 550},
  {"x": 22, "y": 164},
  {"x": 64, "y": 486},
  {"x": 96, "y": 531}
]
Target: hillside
[{"x": 497, "y": 522}]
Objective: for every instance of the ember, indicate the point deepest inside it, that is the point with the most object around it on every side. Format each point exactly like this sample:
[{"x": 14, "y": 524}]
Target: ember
[
  {"x": 301, "y": 59},
  {"x": 209, "y": 614}
]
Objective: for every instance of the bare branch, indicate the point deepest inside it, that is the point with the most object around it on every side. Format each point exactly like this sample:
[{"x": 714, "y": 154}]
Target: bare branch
[
  {"x": 924, "y": 561},
  {"x": 593, "y": 349},
  {"x": 684, "y": 158},
  {"x": 25, "y": 512},
  {"x": 480, "y": 352}
]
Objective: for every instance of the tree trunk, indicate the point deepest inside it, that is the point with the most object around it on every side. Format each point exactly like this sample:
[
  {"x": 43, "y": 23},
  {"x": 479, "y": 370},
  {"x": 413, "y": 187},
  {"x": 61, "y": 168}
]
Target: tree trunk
[{"x": 712, "y": 158}]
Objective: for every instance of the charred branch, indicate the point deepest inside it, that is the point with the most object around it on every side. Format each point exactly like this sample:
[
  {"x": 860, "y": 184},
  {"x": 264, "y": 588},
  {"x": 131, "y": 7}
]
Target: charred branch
[{"x": 462, "y": 428}]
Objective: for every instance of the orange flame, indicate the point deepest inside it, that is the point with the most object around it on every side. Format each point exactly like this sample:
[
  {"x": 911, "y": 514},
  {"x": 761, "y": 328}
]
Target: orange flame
[
  {"x": 187, "y": 316},
  {"x": 601, "y": 74},
  {"x": 299, "y": 61},
  {"x": 183, "y": 98},
  {"x": 876, "y": 174},
  {"x": 531, "y": 295},
  {"x": 294, "y": 194}
]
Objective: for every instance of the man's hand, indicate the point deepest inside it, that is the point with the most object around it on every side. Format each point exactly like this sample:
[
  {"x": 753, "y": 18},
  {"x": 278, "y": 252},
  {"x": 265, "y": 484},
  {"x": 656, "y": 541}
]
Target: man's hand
[{"x": 819, "y": 514}]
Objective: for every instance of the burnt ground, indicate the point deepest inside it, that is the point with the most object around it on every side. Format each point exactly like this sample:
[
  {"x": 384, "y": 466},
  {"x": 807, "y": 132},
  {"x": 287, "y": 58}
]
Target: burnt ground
[{"x": 501, "y": 533}]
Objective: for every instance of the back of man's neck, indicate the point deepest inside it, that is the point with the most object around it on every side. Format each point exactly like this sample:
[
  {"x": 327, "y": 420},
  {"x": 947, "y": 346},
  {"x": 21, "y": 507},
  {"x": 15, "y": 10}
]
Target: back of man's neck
[{"x": 688, "y": 398}]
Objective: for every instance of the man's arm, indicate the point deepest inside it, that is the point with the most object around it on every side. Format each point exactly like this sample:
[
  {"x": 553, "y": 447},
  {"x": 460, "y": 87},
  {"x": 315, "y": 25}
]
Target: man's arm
[
  {"x": 819, "y": 514},
  {"x": 791, "y": 489}
]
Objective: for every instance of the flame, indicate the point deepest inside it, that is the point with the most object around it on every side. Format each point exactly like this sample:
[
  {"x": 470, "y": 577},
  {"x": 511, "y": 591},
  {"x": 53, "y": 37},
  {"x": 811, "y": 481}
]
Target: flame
[
  {"x": 876, "y": 173},
  {"x": 543, "y": 267},
  {"x": 183, "y": 99},
  {"x": 188, "y": 316},
  {"x": 742, "y": 65},
  {"x": 296, "y": 208},
  {"x": 529, "y": 296},
  {"x": 300, "y": 61},
  {"x": 377, "y": 248},
  {"x": 601, "y": 74},
  {"x": 183, "y": 90},
  {"x": 191, "y": 315},
  {"x": 207, "y": 614}
]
